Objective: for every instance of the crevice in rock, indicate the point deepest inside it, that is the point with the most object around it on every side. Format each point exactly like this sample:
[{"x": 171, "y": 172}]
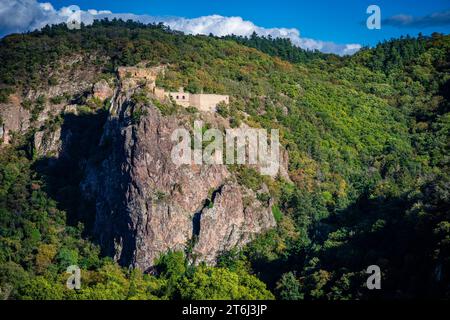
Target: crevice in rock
[
  {"x": 208, "y": 203},
  {"x": 196, "y": 224}
]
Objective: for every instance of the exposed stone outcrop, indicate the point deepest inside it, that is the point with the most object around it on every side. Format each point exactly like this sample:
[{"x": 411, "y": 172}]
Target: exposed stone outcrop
[
  {"x": 70, "y": 81},
  {"x": 284, "y": 165},
  {"x": 146, "y": 205},
  {"x": 102, "y": 90},
  {"x": 48, "y": 143},
  {"x": 13, "y": 118},
  {"x": 232, "y": 219}
]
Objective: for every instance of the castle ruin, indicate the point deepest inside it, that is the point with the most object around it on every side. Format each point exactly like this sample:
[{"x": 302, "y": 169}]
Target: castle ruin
[
  {"x": 134, "y": 76},
  {"x": 201, "y": 101}
]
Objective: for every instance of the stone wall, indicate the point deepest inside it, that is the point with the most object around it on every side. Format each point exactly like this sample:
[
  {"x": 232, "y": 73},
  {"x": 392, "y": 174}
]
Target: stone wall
[
  {"x": 140, "y": 73},
  {"x": 203, "y": 102},
  {"x": 181, "y": 98},
  {"x": 208, "y": 102}
]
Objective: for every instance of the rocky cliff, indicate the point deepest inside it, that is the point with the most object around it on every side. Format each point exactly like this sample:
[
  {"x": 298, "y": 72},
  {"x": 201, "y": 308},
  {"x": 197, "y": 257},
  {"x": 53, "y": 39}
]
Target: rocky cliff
[{"x": 146, "y": 205}]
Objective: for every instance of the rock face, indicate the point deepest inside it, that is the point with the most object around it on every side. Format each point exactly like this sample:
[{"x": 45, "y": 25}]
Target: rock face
[
  {"x": 233, "y": 219},
  {"x": 48, "y": 143},
  {"x": 146, "y": 205},
  {"x": 13, "y": 118},
  {"x": 72, "y": 81},
  {"x": 102, "y": 90}
]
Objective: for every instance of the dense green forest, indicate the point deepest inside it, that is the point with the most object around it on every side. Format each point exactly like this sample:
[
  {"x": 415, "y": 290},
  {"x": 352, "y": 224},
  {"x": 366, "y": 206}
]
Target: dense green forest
[
  {"x": 277, "y": 47},
  {"x": 368, "y": 143}
]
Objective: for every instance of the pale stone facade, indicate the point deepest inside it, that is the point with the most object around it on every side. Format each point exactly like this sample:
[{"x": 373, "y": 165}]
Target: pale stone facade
[
  {"x": 181, "y": 98},
  {"x": 201, "y": 101}
]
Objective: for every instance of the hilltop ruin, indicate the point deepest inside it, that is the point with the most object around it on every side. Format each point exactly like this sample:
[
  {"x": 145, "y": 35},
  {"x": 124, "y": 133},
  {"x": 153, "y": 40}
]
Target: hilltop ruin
[{"x": 133, "y": 76}]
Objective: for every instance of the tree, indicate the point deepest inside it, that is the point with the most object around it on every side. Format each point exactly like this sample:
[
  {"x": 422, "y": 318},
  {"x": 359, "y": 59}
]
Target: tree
[
  {"x": 221, "y": 284},
  {"x": 289, "y": 287}
]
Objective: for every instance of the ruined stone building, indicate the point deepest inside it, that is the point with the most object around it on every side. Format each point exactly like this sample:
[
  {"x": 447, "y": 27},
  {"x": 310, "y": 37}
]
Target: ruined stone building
[
  {"x": 131, "y": 76},
  {"x": 201, "y": 101}
]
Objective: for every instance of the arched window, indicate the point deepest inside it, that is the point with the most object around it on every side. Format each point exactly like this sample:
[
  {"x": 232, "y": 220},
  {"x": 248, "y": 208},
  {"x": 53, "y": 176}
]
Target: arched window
[
  {"x": 178, "y": 97},
  {"x": 183, "y": 97}
]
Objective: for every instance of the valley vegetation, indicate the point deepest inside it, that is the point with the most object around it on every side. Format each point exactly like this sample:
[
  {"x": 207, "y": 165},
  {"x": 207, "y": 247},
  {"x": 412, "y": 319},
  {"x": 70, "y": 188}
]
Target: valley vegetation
[{"x": 368, "y": 143}]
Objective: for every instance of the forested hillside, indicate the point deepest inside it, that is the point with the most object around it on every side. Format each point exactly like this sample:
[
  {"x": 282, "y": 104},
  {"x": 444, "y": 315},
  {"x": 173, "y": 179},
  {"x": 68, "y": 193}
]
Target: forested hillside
[
  {"x": 368, "y": 144},
  {"x": 277, "y": 47}
]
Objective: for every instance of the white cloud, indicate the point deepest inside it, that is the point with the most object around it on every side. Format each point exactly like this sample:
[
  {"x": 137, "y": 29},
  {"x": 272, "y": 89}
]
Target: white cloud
[
  {"x": 97, "y": 12},
  {"x": 46, "y": 6},
  {"x": 26, "y": 15}
]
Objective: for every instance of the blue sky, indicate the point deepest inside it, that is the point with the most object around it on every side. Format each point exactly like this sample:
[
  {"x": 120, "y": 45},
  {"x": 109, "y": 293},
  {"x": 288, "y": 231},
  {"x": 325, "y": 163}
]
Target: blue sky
[
  {"x": 321, "y": 23},
  {"x": 339, "y": 21}
]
